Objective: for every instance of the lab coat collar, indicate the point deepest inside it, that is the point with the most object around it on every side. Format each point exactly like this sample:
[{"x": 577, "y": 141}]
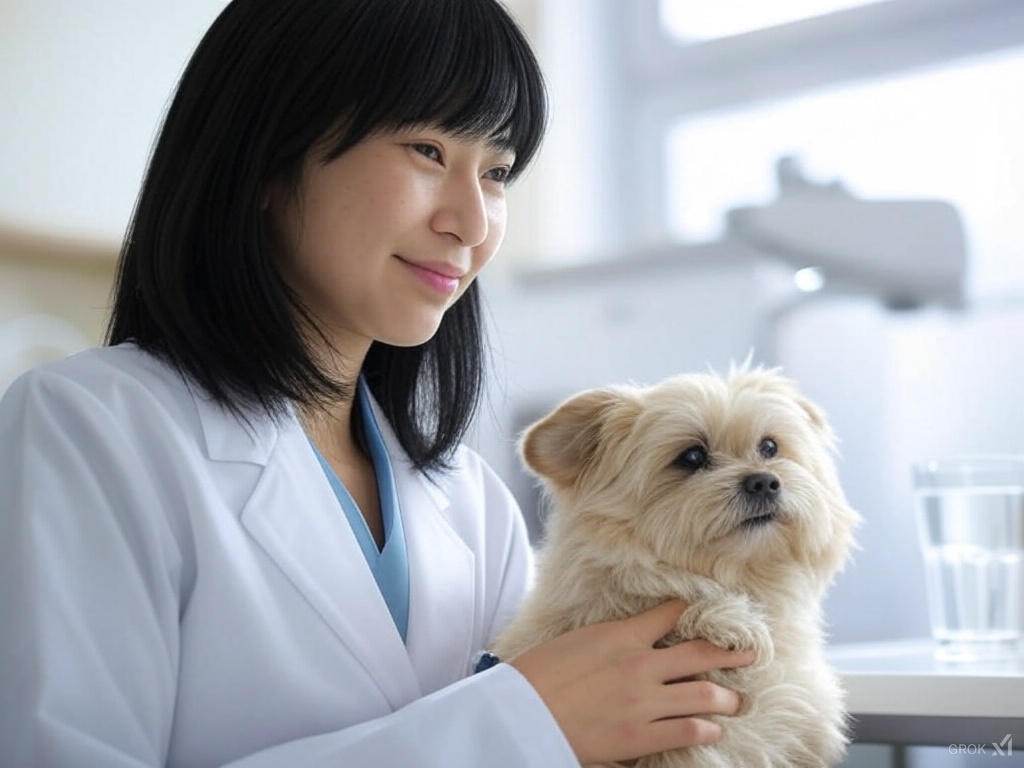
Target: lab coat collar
[
  {"x": 228, "y": 437},
  {"x": 311, "y": 542}
]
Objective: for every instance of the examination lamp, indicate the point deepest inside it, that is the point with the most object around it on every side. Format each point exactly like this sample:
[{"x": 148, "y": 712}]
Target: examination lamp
[{"x": 908, "y": 253}]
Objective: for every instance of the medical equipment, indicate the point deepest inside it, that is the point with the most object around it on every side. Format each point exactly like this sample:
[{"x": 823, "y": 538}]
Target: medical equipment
[{"x": 908, "y": 253}]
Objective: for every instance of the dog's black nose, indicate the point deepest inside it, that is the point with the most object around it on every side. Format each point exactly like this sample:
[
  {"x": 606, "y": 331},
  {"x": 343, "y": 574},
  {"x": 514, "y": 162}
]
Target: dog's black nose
[{"x": 763, "y": 485}]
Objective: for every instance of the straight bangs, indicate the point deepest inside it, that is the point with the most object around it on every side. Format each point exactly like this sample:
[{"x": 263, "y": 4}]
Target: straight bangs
[{"x": 462, "y": 65}]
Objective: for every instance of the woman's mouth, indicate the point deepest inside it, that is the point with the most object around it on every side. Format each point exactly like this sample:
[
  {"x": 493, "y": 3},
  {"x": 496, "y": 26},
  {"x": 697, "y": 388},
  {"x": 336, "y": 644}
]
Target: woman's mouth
[{"x": 441, "y": 277}]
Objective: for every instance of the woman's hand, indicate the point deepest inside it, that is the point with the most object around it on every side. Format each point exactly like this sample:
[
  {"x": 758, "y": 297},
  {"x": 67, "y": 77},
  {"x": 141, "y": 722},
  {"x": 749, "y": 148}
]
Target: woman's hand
[{"x": 616, "y": 697}]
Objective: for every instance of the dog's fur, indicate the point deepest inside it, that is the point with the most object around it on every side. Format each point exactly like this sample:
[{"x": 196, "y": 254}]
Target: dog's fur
[{"x": 750, "y": 540}]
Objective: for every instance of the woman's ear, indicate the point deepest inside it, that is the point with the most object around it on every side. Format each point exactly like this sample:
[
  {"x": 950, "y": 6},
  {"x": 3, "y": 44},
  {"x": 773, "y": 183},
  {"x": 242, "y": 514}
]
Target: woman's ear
[{"x": 563, "y": 443}]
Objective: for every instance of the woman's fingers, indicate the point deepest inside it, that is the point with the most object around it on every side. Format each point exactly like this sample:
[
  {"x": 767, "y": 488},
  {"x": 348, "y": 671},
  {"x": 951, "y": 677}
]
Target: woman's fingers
[
  {"x": 696, "y": 657},
  {"x": 690, "y": 731},
  {"x": 653, "y": 624},
  {"x": 692, "y": 697},
  {"x": 689, "y": 658},
  {"x": 617, "y": 697},
  {"x": 686, "y": 659}
]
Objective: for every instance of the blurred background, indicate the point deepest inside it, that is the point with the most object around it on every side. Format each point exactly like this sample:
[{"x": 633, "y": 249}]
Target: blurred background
[{"x": 832, "y": 186}]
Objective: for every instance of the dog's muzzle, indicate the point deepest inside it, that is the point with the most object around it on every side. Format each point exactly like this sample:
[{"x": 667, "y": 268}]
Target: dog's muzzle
[{"x": 760, "y": 492}]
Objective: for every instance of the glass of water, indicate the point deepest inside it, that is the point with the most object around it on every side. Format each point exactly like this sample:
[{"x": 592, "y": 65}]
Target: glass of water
[{"x": 970, "y": 514}]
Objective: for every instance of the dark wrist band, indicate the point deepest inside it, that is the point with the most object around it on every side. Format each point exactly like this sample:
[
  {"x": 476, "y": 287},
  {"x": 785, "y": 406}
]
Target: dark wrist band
[{"x": 485, "y": 660}]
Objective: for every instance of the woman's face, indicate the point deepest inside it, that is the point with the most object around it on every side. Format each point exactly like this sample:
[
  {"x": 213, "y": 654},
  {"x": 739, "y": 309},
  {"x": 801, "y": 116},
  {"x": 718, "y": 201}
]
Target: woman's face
[{"x": 381, "y": 241}]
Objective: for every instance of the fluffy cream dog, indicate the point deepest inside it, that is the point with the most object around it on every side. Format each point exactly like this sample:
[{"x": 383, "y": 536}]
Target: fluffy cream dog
[{"x": 718, "y": 490}]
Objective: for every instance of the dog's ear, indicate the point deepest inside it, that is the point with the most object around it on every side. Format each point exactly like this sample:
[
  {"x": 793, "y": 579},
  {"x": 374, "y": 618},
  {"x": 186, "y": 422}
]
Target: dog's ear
[
  {"x": 818, "y": 419},
  {"x": 814, "y": 413},
  {"x": 562, "y": 444}
]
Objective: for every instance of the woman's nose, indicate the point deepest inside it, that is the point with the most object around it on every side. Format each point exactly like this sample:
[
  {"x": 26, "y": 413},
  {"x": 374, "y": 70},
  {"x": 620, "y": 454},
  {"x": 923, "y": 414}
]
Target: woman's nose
[{"x": 462, "y": 211}]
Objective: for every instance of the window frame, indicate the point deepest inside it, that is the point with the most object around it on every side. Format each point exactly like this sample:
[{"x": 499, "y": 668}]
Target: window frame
[{"x": 661, "y": 80}]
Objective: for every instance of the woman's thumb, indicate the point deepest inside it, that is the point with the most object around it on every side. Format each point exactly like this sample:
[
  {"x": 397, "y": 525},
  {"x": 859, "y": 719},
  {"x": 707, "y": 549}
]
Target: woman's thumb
[{"x": 654, "y": 623}]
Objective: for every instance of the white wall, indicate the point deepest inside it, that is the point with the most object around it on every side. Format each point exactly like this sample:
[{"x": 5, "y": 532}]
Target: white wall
[{"x": 83, "y": 85}]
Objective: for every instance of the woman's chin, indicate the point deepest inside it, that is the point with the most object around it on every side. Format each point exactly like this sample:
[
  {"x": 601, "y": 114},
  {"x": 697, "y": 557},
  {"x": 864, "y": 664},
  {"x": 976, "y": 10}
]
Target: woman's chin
[{"x": 412, "y": 336}]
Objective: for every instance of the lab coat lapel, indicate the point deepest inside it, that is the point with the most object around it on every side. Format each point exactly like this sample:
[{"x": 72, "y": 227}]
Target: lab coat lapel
[
  {"x": 442, "y": 599},
  {"x": 311, "y": 542}
]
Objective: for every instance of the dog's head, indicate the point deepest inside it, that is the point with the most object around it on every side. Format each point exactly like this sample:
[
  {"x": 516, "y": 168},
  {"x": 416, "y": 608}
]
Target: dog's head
[{"x": 729, "y": 477}]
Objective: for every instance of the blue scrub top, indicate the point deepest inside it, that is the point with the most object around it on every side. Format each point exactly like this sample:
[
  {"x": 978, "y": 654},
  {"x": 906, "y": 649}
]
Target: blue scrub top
[{"x": 389, "y": 565}]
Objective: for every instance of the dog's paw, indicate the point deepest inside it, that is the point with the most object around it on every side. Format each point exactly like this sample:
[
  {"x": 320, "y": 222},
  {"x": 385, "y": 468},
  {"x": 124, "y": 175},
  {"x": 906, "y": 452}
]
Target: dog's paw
[{"x": 733, "y": 623}]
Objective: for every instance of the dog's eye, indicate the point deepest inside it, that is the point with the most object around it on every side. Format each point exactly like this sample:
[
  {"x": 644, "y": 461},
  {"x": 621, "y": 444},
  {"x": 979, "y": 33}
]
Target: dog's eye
[
  {"x": 694, "y": 457},
  {"x": 768, "y": 448}
]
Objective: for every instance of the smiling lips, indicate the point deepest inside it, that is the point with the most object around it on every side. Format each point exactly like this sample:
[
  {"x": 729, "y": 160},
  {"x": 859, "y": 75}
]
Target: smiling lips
[{"x": 442, "y": 277}]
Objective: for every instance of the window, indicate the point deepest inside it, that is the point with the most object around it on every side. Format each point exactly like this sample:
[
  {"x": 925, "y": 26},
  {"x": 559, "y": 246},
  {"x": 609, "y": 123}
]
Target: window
[
  {"x": 687, "y": 20},
  {"x": 678, "y": 114},
  {"x": 952, "y": 133}
]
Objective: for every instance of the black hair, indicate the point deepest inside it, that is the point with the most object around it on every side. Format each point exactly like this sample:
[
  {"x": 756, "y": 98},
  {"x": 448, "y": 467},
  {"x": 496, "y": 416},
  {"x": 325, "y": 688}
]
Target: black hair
[{"x": 197, "y": 282}]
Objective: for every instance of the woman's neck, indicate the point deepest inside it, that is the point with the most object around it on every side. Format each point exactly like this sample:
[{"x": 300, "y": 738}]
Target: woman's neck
[{"x": 330, "y": 430}]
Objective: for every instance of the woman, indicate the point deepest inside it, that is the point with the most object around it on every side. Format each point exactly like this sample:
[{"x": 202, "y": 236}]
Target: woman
[{"x": 245, "y": 531}]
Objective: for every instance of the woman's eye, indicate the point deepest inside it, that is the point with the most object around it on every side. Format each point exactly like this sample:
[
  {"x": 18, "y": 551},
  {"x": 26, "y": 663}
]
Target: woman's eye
[
  {"x": 429, "y": 151},
  {"x": 693, "y": 458},
  {"x": 768, "y": 448},
  {"x": 499, "y": 174}
]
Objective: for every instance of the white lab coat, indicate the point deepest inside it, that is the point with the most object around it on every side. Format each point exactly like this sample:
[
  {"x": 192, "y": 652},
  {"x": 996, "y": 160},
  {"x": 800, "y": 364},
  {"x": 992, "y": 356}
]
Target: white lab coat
[{"x": 179, "y": 589}]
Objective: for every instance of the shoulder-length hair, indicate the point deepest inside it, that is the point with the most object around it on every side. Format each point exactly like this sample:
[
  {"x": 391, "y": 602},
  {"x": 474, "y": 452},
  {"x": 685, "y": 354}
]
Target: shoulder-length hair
[{"x": 197, "y": 282}]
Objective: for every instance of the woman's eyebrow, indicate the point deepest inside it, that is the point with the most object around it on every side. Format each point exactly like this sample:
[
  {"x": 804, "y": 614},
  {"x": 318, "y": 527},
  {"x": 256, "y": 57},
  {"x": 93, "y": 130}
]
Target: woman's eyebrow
[{"x": 501, "y": 145}]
